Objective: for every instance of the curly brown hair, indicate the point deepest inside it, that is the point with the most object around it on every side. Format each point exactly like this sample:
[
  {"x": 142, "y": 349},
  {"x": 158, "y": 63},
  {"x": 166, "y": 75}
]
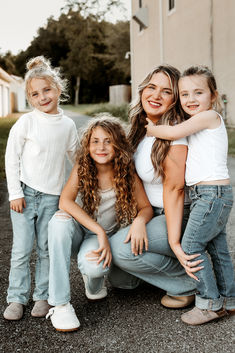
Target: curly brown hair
[
  {"x": 123, "y": 167},
  {"x": 173, "y": 115}
]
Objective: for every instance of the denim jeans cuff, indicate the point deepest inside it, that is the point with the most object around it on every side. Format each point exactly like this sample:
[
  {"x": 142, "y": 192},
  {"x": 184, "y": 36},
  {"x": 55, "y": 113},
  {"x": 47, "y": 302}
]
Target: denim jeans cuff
[
  {"x": 209, "y": 304},
  {"x": 229, "y": 303},
  {"x": 184, "y": 294},
  {"x": 58, "y": 302},
  {"x": 37, "y": 298}
]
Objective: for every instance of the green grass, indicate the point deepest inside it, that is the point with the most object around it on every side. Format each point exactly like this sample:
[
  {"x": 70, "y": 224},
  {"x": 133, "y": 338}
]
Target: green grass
[
  {"x": 5, "y": 125},
  {"x": 81, "y": 108},
  {"x": 120, "y": 111},
  {"x": 231, "y": 142}
]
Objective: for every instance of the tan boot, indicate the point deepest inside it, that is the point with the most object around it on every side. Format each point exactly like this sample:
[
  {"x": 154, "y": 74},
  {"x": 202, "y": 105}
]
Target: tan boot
[
  {"x": 231, "y": 311},
  {"x": 14, "y": 311},
  {"x": 198, "y": 316},
  {"x": 177, "y": 302},
  {"x": 40, "y": 309}
]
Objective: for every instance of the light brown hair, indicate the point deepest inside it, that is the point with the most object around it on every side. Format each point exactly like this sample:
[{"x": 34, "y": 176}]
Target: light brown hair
[
  {"x": 173, "y": 115},
  {"x": 202, "y": 70}
]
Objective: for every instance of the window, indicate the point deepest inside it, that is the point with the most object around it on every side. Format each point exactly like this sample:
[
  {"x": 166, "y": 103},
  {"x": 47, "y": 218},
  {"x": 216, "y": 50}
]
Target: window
[{"x": 171, "y": 4}]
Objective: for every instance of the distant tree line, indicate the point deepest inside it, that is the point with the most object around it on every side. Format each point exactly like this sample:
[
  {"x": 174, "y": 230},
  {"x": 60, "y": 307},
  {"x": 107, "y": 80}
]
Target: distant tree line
[{"x": 89, "y": 49}]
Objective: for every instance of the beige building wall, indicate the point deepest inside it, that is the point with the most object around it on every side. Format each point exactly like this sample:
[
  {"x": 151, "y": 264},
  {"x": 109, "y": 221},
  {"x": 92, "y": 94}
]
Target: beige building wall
[
  {"x": 4, "y": 93},
  {"x": 194, "y": 32}
]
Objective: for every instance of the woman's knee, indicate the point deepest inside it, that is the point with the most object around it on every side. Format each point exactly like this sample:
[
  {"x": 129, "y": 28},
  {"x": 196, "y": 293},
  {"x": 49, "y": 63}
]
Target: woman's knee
[{"x": 120, "y": 251}]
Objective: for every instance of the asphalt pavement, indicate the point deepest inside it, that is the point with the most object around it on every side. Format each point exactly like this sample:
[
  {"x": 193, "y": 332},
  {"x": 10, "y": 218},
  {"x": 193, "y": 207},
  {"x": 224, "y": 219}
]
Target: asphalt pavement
[{"x": 124, "y": 322}]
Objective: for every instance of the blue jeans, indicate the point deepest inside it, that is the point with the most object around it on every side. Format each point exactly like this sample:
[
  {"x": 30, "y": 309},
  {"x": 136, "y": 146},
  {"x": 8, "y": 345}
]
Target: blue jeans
[
  {"x": 27, "y": 226},
  {"x": 66, "y": 239},
  {"x": 157, "y": 266},
  {"x": 206, "y": 233}
]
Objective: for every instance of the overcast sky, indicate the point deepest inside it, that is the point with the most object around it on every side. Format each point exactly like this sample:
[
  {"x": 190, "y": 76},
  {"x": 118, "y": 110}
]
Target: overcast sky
[{"x": 20, "y": 20}]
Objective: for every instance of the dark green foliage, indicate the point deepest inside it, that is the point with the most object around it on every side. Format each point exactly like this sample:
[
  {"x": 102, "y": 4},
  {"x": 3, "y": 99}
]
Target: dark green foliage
[
  {"x": 5, "y": 126},
  {"x": 119, "y": 111},
  {"x": 231, "y": 142},
  {"x": 84, "y": 45}
]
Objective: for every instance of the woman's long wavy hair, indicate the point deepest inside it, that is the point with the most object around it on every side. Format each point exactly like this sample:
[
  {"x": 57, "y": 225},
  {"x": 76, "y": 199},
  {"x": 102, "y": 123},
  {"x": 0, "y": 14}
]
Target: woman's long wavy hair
[
  {"x": 123, "y": 171},
  {"x": 173, "y": 115}
]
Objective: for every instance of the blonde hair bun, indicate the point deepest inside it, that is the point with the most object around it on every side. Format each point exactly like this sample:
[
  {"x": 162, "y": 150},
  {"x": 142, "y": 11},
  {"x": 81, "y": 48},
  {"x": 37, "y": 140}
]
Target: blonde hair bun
[
  {"x": 38, "y": 61},
  {"x": 40, "y": 67}
]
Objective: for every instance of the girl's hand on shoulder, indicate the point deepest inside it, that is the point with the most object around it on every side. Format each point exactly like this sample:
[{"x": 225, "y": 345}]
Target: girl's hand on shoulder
[
  {"x": 149, "y": 127},
  {"x": 103, "y": 253},
  {"x": 187, "y": 262},
  {"x": 138, "y": 236},
  {"x": 18, "y": 205}
]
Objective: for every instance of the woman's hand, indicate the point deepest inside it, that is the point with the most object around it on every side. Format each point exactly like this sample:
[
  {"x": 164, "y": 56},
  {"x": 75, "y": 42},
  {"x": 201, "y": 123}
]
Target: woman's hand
[
  {"x": 138, "y": 236},
  {"x": 103, "y": 253},
  {"x": 186, "y": 261},
  {"x": 18, "y": 205}
]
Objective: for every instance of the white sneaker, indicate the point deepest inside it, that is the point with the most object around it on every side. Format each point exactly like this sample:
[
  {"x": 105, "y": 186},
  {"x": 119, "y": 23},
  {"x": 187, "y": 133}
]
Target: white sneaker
[
  {"x": 102, "y": 293},
  {"x": 64, "y": 318}
]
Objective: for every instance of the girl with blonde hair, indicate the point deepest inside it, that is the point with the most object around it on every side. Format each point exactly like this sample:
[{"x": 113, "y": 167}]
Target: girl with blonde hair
[{"x": 35, "y": 161}]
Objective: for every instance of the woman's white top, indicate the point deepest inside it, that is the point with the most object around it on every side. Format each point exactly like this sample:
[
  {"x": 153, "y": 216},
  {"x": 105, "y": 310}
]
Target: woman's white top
[
  {"x": 207, "y": 155},
  {"x": 106, "y": 213},
  {"x": 36, "y": 152},
  {"x": 144, "y": 167}
]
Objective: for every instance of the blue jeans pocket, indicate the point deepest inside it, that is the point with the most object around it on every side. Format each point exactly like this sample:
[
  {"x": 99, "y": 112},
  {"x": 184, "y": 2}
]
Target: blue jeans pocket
[{"x": 224, "y": 214}]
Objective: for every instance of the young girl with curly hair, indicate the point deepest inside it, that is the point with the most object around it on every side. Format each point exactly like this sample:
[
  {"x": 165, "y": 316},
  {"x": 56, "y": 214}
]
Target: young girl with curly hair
[{"x": 102, "y": 195}]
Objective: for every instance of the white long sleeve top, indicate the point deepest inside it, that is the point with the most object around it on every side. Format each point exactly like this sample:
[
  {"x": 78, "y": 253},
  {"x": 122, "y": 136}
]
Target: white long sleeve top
[{"x": 36, "y": 152}]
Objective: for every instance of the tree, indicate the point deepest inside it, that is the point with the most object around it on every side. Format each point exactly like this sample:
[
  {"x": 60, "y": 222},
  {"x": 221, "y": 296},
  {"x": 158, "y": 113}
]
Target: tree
[
  {"x": 7, "y": 63},
  {"x": 97, "y": 8},
  {"x": 50, "y": 42},
  {"x": 90, "y": 50}
]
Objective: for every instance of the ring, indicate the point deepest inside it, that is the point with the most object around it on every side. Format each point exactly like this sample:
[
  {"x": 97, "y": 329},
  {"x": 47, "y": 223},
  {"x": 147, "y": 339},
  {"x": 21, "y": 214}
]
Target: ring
[{"x": 186, "y": 263}]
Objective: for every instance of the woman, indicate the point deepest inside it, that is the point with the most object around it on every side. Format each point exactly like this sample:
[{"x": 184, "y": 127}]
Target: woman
[{"x": 161, "y": 166}]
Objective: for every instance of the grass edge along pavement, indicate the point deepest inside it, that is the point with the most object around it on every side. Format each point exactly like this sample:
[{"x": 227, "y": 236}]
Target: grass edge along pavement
[
  {"x": 5, "y": 126},
  {"x": 120, "y": 111}
]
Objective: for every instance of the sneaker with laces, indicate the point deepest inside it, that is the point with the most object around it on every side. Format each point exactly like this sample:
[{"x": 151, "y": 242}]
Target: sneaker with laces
[
  {"x": 40, "y": 309},
  {"x": 102, "y": 293},
  {"x": 63, "y": 318},
  {"x": 198, "y": 316},
  {"x": 14, "y": 311}
]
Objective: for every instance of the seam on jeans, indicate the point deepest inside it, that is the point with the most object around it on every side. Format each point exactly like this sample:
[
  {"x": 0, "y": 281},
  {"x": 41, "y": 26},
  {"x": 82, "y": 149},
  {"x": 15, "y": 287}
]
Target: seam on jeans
[
  {"x": 220, "y": 266},
  {"x": 222, "y": 219},
  {"x": 192, "y": 234}
]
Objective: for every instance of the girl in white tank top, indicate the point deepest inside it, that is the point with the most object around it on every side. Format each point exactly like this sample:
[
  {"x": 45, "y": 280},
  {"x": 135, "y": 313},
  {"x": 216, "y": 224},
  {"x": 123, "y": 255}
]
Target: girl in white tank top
[{"x": 210, "y": 193}]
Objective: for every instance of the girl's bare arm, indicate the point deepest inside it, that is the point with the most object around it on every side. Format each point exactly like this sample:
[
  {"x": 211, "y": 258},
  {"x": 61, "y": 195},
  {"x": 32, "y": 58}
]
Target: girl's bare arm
[
  {"x": 68, "y": 204},
  {"x": 173, "y": 199},
  {"x": 208, "y": 119}
]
